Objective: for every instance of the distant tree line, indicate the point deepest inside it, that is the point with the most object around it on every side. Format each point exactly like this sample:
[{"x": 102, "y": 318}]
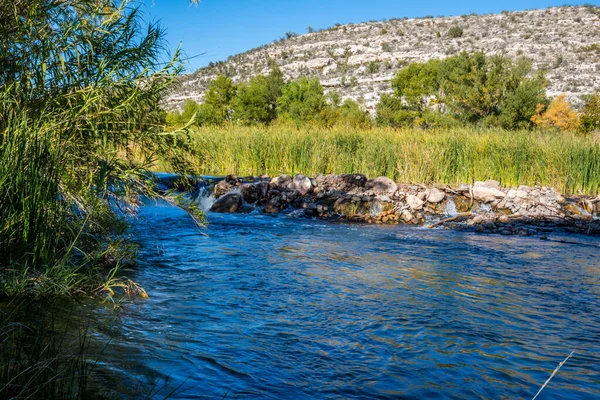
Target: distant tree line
[{"x": 466, "y": 89}]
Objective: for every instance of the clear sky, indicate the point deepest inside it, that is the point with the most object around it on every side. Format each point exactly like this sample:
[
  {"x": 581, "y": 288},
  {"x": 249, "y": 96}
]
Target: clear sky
[{"x": 220, "y": 28}]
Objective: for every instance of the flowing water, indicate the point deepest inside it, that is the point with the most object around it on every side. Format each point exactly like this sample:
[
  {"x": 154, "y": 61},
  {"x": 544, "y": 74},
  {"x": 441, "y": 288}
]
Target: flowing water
[{"x": 257, "y": 306}]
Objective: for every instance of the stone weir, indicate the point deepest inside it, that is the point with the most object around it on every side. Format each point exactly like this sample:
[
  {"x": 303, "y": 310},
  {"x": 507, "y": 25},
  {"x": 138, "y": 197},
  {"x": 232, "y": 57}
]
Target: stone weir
[{"x": 481, "y": 207}]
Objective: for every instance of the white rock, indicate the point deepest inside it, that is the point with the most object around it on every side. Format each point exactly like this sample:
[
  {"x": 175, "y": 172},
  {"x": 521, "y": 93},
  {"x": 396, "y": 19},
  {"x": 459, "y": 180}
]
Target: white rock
[
  {"x": 302, "y": 184},
  {"x": 487, "y": 194},
  {"x": 381, "y": 185},
  {"x": 319, "y": 62},
  {"x": 414, "y": 202},
  {"x": 436, "y": 196}
]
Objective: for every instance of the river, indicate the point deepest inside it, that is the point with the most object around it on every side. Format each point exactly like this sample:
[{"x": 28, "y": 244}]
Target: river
[{"x": 256, "y": 306}]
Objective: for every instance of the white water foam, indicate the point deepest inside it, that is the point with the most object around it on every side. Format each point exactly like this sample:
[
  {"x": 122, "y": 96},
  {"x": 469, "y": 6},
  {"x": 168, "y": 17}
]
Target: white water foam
[{"x": 450, "y": 209}]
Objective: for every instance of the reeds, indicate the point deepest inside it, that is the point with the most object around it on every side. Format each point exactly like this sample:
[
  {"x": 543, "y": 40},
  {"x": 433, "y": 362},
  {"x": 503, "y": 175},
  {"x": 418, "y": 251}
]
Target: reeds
[{"x": 566, "y": 161}]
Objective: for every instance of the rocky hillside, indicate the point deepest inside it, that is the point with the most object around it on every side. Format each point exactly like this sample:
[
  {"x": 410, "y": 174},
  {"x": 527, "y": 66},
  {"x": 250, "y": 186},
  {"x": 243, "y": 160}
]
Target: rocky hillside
[{"x": 359, "y": 60}]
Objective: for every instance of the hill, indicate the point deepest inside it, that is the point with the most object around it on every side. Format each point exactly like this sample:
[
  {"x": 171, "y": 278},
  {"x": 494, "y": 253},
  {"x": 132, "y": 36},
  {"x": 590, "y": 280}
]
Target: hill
[{"x": 359, "y": 60}]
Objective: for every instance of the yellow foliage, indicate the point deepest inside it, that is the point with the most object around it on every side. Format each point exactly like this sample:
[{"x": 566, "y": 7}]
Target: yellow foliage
[{"x": 558, "y": 115}]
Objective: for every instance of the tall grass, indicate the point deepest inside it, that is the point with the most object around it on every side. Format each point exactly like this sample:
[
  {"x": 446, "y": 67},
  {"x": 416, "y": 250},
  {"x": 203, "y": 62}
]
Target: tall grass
[
  {"x": 81, "y": 88},
  {"x": 567, "y": 162}
]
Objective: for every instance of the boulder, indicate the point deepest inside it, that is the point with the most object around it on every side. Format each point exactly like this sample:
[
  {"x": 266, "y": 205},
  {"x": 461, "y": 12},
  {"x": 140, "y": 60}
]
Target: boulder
[
  {"x": 491, "y": 184},
  {"x": 254, "y": 192},
  {"x": 281, "y": 181},
  {"x": 221, "y": 188},
  {"x": 407, "y": 216},
  {"x": 414, "y": 202},
  {"x": 435, "y": 196},
  {"x": 342, "y": 183},
  {"x": 381, "y": 185},
  {"x": 274, "y": 205},
  {"x": 487, "y": 191},
  {"x": 301, "y": 184},
  {"x": 229, "y": 203}
]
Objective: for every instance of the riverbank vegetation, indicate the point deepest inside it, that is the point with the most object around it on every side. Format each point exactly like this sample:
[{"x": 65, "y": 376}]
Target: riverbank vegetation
[
  {"x": 79, "y": 89},
  {"x": 569, "y": 162},
  {"x": 466, "y": 90}
]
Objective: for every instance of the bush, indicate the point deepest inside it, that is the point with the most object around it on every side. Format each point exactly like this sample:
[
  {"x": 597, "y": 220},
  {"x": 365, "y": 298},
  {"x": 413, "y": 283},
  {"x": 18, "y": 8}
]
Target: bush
[
  {"x": 373, "y": 67},
  {"x": 590, "y": 116},
  {"x": 256, "y": 101},
  {"x": 190, "y": 110},
  {"x": 352, "y": 115},
  {"x": 392, "y": 112},
  {"x": 302, "y": 100},
  {"x": 455, "y": 32},
  {"x": 558, "y": 115},
  {"x": 471, "y": 88},
  {"x": 216, "y": 108}
]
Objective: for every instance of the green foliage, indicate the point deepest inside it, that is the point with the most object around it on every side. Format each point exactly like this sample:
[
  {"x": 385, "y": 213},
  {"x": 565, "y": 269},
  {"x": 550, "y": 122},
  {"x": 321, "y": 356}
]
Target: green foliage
[
  {"x": 217, "y": 106},
  {"x": 568, "y": 162},
  {"x": 353, "y": 116},
  {"x": 391, "y": 111},
  {"x": 302, "y": 100},
  {"x": 373, "y": 67},
  {"x": 173, "y": 118},
  {"x": 475, "y": 87},
  {"x": 416, "y": 82},
  {"x": 471, "y": 88},
  {"x": 335, "y": 99},
  {"x": 190, "y": 110},
  {"x": 455, "y": 32},
  {"x": 590, "y": 116},
  {"x": 79, "y": 99},
  {"x": 256, "y": 101}
]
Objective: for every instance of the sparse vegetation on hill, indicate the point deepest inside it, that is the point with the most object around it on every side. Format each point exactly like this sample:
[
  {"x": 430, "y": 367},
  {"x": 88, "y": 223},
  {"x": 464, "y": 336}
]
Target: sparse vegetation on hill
[{"x": 360, "y": 60}]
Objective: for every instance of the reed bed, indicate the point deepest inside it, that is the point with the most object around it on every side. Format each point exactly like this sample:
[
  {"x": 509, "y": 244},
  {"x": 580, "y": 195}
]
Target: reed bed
[{"x": 566, "y": 161}]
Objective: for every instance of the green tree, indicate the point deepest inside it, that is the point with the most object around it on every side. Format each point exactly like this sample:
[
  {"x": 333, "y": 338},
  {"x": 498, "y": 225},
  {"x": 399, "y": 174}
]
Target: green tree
[
  {"x": 218, "y": 98},
  {"x": 352, "y": 115},
  {"x": 391, "y": 111},
  {"x": 415, "y": 83},
  {"x": 256, "y": 101},
  {"x": 302, "y": 100},
  {"x": 474, "y": 87},
  {"x": 190, "y": 110},
  {"x": 590, "y": 116}
]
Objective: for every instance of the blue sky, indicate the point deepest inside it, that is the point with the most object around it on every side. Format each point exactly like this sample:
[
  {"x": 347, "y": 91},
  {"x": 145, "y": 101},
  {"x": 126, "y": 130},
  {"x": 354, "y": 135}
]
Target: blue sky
[{"x": 221, "y": 28}]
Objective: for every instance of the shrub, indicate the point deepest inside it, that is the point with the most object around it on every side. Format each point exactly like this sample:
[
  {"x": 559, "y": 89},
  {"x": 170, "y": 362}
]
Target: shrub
[
  {"x": 373, "y": 67},
  {"x": 256, "y": 101},
  {"x": 590, "y": 116},
  {"x": 301, "y": 100},
  {"x": 351, "y": 115},
  {"x": 558, "y": 115},
  {"x": 455, "y": 32},
  {"x": 385, "y": 47},
  {"x": 391, "y": 111},
  {"x": 216, "y": 108},
  {"x": 190, "y": 110}
]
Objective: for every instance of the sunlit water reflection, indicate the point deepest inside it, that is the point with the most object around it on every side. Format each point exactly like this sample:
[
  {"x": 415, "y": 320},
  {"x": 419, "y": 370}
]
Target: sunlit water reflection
[{"x": 274, "y": 307}]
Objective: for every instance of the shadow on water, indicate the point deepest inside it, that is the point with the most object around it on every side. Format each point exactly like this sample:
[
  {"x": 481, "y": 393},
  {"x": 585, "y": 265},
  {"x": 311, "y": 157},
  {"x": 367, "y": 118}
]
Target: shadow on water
[{"x": 275, "y": 307}]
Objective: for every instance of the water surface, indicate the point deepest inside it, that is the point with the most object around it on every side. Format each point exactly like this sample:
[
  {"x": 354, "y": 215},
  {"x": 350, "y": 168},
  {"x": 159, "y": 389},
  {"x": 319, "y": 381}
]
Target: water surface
[{"x": 274, "y": 307}]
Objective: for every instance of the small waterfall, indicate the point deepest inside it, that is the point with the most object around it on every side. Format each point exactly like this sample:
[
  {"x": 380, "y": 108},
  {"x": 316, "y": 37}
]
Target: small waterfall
[
  {"x": 450, "y": 209},
  {"x": 205, "y": 198}
]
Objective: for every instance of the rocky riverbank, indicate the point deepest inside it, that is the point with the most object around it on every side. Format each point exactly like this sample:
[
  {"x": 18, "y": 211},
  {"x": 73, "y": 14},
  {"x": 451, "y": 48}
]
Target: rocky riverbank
[{"x": 481, "y": 207}]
